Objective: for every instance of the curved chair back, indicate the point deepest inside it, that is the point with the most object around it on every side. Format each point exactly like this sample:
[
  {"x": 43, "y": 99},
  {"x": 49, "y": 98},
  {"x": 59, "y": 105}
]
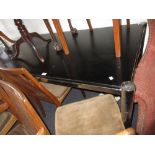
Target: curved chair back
[
  {"x": 28, "y": 84},
  {"x": 22, "y": 109}
]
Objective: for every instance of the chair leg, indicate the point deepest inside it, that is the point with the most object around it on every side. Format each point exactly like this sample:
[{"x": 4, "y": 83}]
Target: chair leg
[
  {"x": 72, "y": 29},
  {"x": 61, "y": 36},
  {"x": 83, "y": 93},
  {"x": 127, "y": 92},
  {"x": 89, "y": 25},
  {"x": 56, "y": 44},
  {"x": 117, "y": 36},
  {"x": 128, "y": 23}
]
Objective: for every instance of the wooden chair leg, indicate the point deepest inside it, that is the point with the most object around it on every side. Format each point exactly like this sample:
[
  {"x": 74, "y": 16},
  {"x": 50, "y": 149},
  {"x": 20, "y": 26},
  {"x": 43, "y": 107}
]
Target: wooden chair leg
[
  {"x": 117, "y": 36},
  {"x": 56, "y": 45},
  {"x": 60, "y": 33},
  {"x": 89, "y": 25},
  {"x": 128, "y": 23},
  {"x": 72, "y": 29}
]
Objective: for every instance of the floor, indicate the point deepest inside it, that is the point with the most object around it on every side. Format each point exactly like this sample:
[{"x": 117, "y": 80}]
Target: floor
[{"x": 74, "y": 95}]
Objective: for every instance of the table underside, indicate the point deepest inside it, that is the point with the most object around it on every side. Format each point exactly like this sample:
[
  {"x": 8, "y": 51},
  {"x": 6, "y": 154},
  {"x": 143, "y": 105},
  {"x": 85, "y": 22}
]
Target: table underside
[{"x": 91, "y": 63}]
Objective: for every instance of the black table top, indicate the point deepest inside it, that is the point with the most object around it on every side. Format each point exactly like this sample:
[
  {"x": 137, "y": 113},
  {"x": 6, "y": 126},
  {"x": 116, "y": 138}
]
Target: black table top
[{"x": 91, "y": 63}]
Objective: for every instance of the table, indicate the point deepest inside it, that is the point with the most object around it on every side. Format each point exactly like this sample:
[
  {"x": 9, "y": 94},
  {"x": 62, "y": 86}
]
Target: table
[{"x": 91, "y": 64}]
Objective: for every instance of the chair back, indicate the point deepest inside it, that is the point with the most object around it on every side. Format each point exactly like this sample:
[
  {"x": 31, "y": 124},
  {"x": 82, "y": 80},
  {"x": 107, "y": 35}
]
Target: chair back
[
  {"x": 28, "y": 84},
  {"x": 144, "y": 80},
  {"x": 21, "y": 108}
]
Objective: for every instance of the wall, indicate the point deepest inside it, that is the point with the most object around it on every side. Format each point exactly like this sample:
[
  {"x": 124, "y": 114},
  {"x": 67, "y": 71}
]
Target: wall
[{"x": 37, "y": 25}]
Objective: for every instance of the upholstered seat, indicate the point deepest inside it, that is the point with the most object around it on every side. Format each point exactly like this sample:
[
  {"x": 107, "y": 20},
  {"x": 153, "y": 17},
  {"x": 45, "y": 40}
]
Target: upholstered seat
[
  {"x": 98, "y": 115},
  {"x": 59, "y": 91},
  {"x": 7, "y": 120}
]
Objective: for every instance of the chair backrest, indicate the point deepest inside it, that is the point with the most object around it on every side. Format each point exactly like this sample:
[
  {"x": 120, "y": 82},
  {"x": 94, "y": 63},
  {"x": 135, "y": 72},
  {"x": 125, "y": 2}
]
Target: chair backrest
[
  {"x": 144, "y": 80},
  {"x": 22, "y": 109},
  {"x": 28, "y": 84}
]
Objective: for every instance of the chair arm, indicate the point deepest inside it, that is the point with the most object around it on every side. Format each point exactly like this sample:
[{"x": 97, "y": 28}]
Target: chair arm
[{"x": 128, "y": 131}]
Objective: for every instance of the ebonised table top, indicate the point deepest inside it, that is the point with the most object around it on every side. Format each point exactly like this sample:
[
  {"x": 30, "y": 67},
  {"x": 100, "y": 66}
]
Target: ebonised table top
[{"x": 91, "y": 63}]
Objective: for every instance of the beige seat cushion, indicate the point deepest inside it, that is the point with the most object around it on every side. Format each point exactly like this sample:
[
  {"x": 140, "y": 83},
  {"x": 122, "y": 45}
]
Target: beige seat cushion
[
  {"x": 7, "y": 120},
  {"x": 19, "y": 130},
  {"x": 59, "y": 91},
  {"x": 98, "y": 115}
]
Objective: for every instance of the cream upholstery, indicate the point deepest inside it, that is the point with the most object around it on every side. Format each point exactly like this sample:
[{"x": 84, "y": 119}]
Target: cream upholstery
[
  {"x": 59, "y": 91},
  {"x": 98, "y": 115},
  {"x": 7, "y": 120}
]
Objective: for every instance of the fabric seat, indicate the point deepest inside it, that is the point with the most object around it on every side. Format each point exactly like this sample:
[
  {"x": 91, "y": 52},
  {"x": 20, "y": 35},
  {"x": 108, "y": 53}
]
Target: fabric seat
[
  {"x": 98, "y": 115},
  {"x": 59, "y": 91},
  {"x": 7, "y": 120}
]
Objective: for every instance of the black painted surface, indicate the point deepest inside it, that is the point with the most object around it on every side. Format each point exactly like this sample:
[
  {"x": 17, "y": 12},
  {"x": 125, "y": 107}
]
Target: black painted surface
[{"x": 91, "y": 59}]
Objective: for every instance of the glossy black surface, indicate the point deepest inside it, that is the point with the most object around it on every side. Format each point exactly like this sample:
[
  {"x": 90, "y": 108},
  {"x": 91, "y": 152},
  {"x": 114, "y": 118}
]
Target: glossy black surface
[{"x": 91, "y": 60}]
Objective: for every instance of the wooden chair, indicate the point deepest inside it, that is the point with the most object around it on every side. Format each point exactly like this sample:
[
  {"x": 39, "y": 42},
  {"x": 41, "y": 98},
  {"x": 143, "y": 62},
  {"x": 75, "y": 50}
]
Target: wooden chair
[
  {"x": 20, "y": 107},
  {"x": 34, "y": 90}
]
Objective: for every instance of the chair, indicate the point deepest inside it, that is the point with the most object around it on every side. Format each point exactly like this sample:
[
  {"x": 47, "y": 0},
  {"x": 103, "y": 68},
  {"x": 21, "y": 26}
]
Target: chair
[
  {"x": 116, "y": 32},
  {"x": 98, "y": 115},
  {"x": 27, "y": 37},
  {"x": 145, "y": 86},
  {"x": 20, "y": 107},
  {"x": 34, "y": 90}
]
